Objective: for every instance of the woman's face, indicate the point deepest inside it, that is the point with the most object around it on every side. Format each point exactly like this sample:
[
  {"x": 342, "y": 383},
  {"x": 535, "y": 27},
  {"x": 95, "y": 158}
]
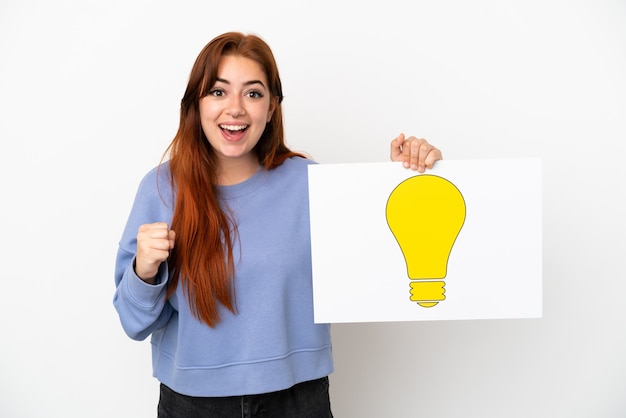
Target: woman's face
[{"x": 234, "y": 113}]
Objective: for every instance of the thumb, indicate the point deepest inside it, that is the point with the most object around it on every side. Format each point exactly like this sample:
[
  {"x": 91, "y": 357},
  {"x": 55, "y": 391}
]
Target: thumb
[{"x": 396, "y": 147}]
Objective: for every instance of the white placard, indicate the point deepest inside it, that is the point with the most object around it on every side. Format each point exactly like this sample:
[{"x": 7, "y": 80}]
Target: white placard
[{"x": 365, "y": 272}]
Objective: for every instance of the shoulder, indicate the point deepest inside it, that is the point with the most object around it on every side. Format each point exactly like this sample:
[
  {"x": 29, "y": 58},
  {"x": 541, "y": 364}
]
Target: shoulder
[
  {"x": 158, "y": 174},
  {"x": 292, "y": 173},
  {"x": 156, "y": 187},
  {"x": 295, "y": 167},
  {"x": 157, "y": 180},
  {"x": 297, "y": 164}
]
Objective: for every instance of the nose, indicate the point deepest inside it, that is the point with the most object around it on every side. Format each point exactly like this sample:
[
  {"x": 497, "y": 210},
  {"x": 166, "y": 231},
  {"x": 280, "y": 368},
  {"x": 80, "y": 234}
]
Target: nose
[{"x": 236, "y": 107}]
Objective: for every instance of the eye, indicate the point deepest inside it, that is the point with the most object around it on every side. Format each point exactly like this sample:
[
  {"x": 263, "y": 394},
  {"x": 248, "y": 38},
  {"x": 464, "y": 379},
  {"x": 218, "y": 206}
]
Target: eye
[
  {"x": 255, "y": 94},
  {"x": 216, "y": 93}
]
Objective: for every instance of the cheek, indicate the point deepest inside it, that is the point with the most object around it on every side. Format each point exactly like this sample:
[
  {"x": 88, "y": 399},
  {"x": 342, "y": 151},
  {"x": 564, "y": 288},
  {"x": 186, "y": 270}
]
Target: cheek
[
  {"x": 206, "y": 110},
  {"x": 208, "y": 126},
  {"x": 208, "y": 116},
  {"x": 266, "y": 114},
  {"x": 204, "y": 127},
  {"x": 272, "y": 109}
]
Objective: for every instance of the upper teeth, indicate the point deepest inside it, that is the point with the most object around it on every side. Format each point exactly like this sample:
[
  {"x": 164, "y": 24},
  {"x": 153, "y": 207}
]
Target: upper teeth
[{"x": 234, "y": 127}]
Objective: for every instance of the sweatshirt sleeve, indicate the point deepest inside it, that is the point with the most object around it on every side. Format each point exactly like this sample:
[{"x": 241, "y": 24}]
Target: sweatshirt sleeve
[{"x": 142, "y": 307}]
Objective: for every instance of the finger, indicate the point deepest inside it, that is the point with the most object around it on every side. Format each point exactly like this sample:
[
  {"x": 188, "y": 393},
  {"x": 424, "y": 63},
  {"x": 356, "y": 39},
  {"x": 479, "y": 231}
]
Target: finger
[
  {"x": 412, "y": 152},
  {"x": 158, "y": 244},
  {"x": 172, "y": 238},
  {"x": 155, "y": 230},
  {"x": 424, "y": 149},
  {"x": 396, "y": 148},
  {"x": 433, "y": 156},
  {"x": 154, "y": 241},
  {"x": 422, "y": 154},
  {"x": 155, "y": 225}
]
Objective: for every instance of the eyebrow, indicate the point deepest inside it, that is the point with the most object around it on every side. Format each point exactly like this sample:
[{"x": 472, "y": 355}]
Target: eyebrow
[{"x": 247, "y": 83}]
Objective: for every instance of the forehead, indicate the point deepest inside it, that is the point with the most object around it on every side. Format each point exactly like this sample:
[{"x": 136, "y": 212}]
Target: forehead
[{"x": 239, "y": 69}]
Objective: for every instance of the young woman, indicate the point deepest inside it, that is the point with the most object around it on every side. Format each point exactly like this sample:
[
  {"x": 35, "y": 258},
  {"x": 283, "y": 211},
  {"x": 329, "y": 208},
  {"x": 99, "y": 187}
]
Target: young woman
[{"x": 215, "y": 259}]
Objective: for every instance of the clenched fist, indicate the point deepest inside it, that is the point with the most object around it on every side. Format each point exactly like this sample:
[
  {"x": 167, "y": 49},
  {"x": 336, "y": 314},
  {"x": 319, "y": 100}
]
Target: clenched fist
[{"x": 154, "y": 242}]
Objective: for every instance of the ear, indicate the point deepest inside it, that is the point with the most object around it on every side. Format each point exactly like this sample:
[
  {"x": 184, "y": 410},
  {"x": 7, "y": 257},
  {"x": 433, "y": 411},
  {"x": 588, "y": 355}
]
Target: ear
[{"x": 273, "y": 105}]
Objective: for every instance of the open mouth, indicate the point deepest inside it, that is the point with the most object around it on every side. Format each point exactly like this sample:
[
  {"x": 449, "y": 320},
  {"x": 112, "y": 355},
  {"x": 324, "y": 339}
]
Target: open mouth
[
  {"x": 233, "y": 132},
  {"x": 234, "y": 128}
]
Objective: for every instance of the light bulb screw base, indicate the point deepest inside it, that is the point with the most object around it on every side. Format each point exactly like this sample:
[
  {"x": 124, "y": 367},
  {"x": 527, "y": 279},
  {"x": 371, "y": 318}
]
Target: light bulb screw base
[{"x": 427, "y": 293}]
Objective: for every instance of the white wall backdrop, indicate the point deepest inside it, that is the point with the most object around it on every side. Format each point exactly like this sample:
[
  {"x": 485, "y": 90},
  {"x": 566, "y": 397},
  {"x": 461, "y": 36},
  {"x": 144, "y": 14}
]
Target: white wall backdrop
[{"x": 89, "y": 94}]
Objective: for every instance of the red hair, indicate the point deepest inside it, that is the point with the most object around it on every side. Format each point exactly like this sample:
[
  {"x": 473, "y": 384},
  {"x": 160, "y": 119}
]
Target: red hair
[{"x": 202, "y": 258}]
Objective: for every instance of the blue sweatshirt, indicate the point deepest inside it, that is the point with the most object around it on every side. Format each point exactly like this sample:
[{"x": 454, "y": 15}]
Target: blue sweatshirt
[{"x": 271, "y": 343}]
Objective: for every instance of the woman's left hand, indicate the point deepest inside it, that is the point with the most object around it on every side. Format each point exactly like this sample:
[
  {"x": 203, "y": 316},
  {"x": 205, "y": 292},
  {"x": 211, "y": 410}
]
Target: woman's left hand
[{"x": 416, "y": 154}]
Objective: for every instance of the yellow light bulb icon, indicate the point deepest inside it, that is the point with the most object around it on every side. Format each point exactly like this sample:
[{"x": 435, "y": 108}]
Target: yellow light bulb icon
[{"x": 425, "y": 214}]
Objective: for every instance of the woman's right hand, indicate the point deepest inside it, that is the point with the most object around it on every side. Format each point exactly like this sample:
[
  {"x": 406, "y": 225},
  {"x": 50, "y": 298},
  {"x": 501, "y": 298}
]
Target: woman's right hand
[{"x": 154, "y": 242}]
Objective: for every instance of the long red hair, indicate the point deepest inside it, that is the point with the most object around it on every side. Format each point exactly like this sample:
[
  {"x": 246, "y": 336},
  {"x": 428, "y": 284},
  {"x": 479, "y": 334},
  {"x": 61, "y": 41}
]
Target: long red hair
[{"x": 202, "y": 258}]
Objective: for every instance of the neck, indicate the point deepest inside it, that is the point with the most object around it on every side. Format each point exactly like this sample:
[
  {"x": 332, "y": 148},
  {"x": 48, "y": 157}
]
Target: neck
[{"x": 236, "y": 170}]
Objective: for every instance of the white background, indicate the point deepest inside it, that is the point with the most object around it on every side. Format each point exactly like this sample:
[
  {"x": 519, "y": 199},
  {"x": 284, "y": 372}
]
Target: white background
[{"x": 89, "y": 95}]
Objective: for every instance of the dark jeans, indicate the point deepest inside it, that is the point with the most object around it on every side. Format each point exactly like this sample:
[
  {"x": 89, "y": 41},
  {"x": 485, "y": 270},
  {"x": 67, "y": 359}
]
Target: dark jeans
[{"x": 304, "y": 400}]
